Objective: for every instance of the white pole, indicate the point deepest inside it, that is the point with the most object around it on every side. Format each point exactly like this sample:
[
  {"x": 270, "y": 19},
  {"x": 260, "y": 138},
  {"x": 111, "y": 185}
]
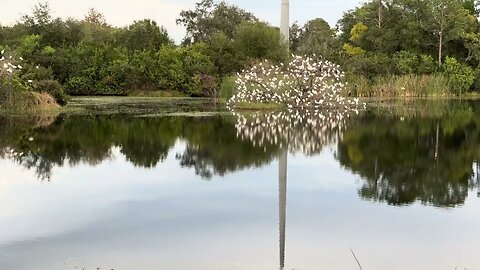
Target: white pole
[{"x": 285, "y": 21}]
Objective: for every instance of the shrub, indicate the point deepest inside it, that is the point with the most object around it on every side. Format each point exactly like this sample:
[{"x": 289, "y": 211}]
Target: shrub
[
  {"x": 53, "y": 88},
  {"x": 142, "y": 76},
  {"x": 460, "y": 76},
  {"x": 426, "y": 64},
  {"x": 371, "y": 65},
  {"x": 114, "y": 79},
  {"x": 169, "y": 71},
  {"x": 476, "y": 83},
  {"x": 78, "y": 86},
  {"x": 204, "y": 86},
  {"x": 406, "y": 62},
  {"x": 188, "y": 70}
]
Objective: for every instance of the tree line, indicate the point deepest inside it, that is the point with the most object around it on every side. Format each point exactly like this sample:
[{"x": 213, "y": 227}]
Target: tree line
[
  {"x": 92, "y": 57},
  {"x": 387, "y": 47}
]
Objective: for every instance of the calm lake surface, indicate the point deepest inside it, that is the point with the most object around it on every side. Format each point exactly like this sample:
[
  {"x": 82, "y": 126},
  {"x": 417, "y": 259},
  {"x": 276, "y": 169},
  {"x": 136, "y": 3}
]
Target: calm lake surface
[{"x": 146, "y": 190}]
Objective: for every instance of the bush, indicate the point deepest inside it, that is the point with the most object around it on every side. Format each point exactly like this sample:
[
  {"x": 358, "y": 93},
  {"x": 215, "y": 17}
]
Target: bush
[
  {"x": 78, "y": 86},
  {"x": 53, "y": 88},
  {"x": 205, "y": 86},
  {"x": 97, "y": 70},
  {"x": 114, "y": 79},
  {"x": 142, "y": 76},
  {"x": 370, "y": 65},
  {"x": 188, "y": 70},
  {"x": 406, "y": 62},
  {"x": 460, "y": 76},
  {"x": 169, "y": 72},
  {"x": 426, "y": 65},
  {"x": 476, "y": 83}
]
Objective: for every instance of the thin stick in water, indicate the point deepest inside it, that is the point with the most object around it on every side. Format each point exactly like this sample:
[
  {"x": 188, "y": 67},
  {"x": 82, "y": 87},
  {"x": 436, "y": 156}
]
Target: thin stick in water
[{"x": 354, "y": 256}]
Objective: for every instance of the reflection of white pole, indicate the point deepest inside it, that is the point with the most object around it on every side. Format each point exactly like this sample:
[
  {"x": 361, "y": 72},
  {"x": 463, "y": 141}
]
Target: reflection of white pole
[
  {"x": 285, "y": 21},
  {"x": 437, "y": 145},
  {"x": 282, "y": 186}
]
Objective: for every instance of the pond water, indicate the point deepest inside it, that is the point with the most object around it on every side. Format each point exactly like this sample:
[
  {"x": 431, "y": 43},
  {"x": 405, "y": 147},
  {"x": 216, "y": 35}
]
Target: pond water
[{"x": 398, "y": 186}]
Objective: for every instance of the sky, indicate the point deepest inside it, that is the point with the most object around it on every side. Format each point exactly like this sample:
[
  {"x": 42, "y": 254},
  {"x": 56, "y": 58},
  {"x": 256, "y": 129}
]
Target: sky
[{"x": 165, "y": 12}]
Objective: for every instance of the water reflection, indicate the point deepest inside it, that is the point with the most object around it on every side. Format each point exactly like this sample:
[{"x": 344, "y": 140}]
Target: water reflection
[
  {"x": 402, "y": 155},
  {"x": 407, "y": 159},
  {"x": 282, "y": 203},
  {"x": 211, "y": 143}
]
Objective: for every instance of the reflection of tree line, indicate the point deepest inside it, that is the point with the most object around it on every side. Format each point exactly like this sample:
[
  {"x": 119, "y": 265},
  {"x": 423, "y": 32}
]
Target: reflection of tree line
[
  {"x": 404, "y": 160},
  {"x": 212, "y": 146}
]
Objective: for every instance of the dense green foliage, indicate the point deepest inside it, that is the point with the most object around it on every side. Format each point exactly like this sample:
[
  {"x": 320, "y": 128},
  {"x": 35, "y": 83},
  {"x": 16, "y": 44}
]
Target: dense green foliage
[
  {"x": 380, "y": 43},
  {"x": 91, "y": 57},
  {"x": 383, "y": 39}
]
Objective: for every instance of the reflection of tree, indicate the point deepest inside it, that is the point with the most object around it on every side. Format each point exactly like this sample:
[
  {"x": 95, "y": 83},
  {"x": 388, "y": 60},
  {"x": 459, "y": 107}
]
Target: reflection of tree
[
  {"x": 212, "y": 145},
  {"x": 306, "y": 131},
  {"x": 145, "y": 142},
  {"x": 407, "y": 161},
  {"x": 213, "y": 148}
]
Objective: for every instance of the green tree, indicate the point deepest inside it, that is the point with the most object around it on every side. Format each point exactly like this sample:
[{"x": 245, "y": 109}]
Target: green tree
[
  {"x": 318, "y": 38},
  {"x": 461, "y": 77},
  {"x": 143, "y": 35},
  {"x": 208, "y": 18},
  {"x": 447, "y": 20},
  {"x": 222, "y": 52},
  {"x": 258, "y": 41},
  {"x": 95, "y": 28}
]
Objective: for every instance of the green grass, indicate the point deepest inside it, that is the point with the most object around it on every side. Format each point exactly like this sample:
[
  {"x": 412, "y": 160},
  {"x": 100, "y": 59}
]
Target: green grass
[
  {"x": 395, "y": 86},
  {"x": 228, "y": 87}
]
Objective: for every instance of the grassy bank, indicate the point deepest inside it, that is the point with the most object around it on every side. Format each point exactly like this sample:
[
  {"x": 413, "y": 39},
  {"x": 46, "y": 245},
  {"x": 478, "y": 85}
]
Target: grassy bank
[
  {"x": 28, "y": 102},
  {"x": 394, "y": 85}
]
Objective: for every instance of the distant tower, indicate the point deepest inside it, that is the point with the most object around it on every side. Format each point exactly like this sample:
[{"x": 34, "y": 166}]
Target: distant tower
[{"x": 285, "y": 21}]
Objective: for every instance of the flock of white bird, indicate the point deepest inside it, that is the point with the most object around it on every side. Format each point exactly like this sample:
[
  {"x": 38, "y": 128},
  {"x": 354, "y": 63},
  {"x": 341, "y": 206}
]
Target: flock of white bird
[
  {"x": 304, "y": 83},
  {"x": 9, "y": 65},
  {"x": 311, "y": 90},
  {"x": 298, "y": 130}
]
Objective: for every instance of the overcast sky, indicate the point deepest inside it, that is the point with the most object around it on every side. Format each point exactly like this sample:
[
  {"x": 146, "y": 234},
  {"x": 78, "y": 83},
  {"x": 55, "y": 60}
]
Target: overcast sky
[{"x": 123, "y": 12}]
